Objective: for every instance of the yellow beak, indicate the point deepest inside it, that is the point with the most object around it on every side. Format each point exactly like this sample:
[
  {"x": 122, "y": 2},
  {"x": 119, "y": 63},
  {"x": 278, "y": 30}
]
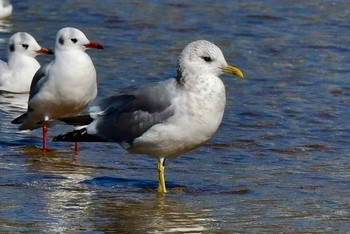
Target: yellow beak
[{"x": 233, "y": 71}]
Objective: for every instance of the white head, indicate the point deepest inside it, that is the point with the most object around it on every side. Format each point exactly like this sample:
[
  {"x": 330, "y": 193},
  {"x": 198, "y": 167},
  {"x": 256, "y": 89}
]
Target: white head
[
  {"x": 204, "y": 58},
  {"x": 23, "y": 43},
  {"x": 73, "y": 39}
]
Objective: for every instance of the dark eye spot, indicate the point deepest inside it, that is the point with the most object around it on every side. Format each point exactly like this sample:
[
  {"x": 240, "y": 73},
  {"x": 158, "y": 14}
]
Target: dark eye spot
[
  {"x": 12, "y": 47},
  {"x": 74, "y": 40},
  {"x": 207, "y": 59},
  {"x": 25, "y": 46},
  {"x": 61, "y": 41}
]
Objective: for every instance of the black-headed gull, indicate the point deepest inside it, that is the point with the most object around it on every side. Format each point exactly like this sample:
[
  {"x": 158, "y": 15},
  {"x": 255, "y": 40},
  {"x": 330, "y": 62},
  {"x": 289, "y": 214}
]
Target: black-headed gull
[
  {"x": 65, "y": 86},
  {"x": 5, "y": 9},
  {"x": 16, "y": 75},
  {"x": 165, "y": 119}
]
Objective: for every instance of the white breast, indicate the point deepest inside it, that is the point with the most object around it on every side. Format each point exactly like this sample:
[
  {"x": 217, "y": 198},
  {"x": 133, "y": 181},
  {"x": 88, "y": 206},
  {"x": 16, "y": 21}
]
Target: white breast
[{"x": 198, "y": 114}]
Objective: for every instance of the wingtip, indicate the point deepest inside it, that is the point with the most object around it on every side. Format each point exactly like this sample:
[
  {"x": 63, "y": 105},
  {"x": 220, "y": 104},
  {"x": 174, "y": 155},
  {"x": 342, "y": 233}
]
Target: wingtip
[
  {"x": 80, "y": 135},
  {"x": 20, "y": 119},
  {"x": 59, "y": 138}
]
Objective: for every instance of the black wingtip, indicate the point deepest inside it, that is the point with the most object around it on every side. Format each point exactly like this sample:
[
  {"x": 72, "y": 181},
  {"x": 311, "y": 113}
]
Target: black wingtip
[
  {"x": 20, "y": 119},
  {"x": 80, "y": 135}
]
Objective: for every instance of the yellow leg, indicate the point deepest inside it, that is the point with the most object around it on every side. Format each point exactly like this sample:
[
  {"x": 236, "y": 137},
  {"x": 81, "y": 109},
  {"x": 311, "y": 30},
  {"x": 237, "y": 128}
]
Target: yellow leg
[{"x": 161, "y": 168}]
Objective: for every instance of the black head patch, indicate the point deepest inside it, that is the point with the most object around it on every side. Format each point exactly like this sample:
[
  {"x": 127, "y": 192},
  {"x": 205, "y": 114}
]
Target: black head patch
[
  {"x": 61, "y": 41},
  {"x": 12, "y": 47}
]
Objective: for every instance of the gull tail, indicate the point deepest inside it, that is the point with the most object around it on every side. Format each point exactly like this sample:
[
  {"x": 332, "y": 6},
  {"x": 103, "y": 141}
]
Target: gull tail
[{"x": 80, "y": 135}]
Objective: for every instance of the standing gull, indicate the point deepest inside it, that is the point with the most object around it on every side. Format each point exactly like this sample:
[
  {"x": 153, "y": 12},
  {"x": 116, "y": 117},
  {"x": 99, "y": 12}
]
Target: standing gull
[
  {"x": 16, "y": 75},
  {"x": 165, "y": 119},
  {"x": 65, "y": 86}
]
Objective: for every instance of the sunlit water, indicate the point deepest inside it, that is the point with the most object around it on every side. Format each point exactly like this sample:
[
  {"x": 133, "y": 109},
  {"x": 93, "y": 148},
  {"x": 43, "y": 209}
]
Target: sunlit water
[{"x": 279, "y": 162}]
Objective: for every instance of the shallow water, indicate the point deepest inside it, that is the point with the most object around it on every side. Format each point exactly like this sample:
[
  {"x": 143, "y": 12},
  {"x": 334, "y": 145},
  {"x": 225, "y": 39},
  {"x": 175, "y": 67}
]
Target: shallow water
[{"x": 278, "y": 163}]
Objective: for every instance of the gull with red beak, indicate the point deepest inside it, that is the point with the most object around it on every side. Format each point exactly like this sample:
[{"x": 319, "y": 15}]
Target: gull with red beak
[
  {"x": 63, "y": 87},
  {"x": 16, "y": 75}
]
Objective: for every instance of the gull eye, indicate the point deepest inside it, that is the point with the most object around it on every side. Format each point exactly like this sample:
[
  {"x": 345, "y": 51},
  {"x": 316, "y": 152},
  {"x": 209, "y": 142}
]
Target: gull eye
[
  {"x": 74, "y": 40},
  {"x": 25, "y": 46},
  {"x": 207, "y": 59}
]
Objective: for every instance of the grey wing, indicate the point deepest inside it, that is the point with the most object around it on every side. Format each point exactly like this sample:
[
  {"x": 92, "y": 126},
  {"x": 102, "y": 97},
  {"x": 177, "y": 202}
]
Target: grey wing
[
  {"x": 39, "y": 78},
  {"x": 135, "y": 113},
  {"x": 108, "y": 104}
]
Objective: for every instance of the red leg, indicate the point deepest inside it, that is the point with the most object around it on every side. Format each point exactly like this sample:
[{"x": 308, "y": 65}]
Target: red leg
[
  {"x": 44, "y": 137},
  {"x": 76, "y": 147},
  {"x": 76, "y": 144}
]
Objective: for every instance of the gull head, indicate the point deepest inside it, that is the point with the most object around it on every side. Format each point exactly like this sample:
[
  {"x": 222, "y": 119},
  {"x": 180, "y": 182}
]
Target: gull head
[
  {"x": 73, "y": 39},
  {"x": 204, "y": 58},
  {"x": 23, "y": 43}
]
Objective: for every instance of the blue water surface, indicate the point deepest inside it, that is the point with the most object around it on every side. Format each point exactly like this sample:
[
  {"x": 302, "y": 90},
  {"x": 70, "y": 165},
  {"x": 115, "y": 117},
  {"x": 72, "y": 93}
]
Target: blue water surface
[{"x": 278, "y": 164}]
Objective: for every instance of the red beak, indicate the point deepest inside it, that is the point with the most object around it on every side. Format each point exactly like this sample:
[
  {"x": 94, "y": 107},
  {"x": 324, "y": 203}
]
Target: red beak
[
  {"x": 93, "y": 45},
  {"x": 44, "y": 51}
]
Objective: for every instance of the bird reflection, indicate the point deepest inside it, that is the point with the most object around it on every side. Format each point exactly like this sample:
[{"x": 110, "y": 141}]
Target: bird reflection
[
  {"x": 64, "y": 198},
  {"x": 133, "y": 213},
  {"x": 69, "y": 198},
  {"x": 13, "y": 103},
  {"x": 5, "y": 27}
]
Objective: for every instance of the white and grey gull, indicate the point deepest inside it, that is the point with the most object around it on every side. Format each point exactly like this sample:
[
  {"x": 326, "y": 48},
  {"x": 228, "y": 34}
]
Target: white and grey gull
[
  {"x": 16, "y": 75},
  {"x": 164, "y": 119},
  {"x": 63, "y": 87}
]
